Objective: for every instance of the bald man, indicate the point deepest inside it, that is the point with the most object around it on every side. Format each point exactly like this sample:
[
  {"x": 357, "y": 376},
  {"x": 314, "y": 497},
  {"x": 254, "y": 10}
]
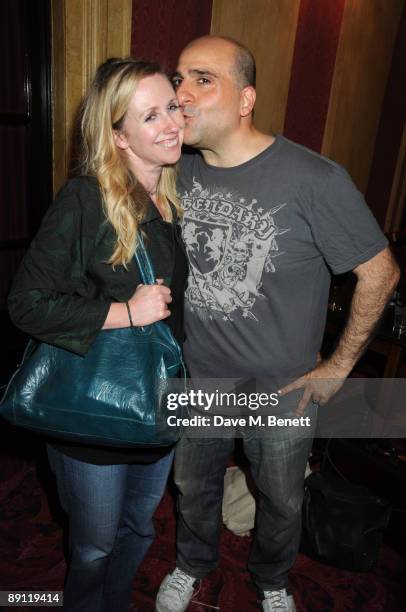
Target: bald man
[{"x": 266, "y": 222}]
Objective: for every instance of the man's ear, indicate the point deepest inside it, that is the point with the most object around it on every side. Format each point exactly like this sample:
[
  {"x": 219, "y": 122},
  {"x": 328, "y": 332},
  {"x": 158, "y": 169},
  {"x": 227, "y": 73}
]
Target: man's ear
[
  {"x": 120, "y": 139},
  {"x": 247, "y": 100}
]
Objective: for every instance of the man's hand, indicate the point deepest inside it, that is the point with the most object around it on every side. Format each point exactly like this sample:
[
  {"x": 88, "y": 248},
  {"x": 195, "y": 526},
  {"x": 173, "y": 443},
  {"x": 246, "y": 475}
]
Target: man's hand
[
  {"x": 376, "y": 281},
  {"x": 319, "y": 384}
]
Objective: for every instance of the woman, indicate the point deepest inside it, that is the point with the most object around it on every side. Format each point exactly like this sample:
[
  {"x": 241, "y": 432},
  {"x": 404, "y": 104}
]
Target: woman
[{"x": 79, "y": 277}]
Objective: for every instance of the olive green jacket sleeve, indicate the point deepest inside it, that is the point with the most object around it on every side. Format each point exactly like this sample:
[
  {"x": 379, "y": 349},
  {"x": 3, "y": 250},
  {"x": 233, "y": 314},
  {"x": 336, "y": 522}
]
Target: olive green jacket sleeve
[{"x": 54, "y": 296}]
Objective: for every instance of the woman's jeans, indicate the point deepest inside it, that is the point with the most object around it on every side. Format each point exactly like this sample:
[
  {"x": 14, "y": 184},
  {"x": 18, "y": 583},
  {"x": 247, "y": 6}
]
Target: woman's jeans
[
  {"x": 278, "y": 463},
  {"x": 110, "y": 509}
]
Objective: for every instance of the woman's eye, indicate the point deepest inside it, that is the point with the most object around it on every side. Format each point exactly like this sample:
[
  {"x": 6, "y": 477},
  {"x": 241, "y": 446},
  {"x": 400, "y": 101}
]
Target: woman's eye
[
  {"x": 173, "y": 107},
  {"x": 150, "y": 118}
]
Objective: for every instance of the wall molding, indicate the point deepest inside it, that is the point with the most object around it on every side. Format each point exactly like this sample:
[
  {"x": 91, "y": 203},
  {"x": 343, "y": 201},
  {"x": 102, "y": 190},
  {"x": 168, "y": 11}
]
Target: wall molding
[
  {"x": 397, "y": 200},
  {"x": 84, "y": 33},
  {"x": 359, "y": 82}
]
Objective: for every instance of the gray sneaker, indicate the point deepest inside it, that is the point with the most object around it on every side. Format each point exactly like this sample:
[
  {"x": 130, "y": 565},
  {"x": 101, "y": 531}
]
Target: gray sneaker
[
  {"x": 176, "y": 592},
  {"x": 278, "y": 601}
]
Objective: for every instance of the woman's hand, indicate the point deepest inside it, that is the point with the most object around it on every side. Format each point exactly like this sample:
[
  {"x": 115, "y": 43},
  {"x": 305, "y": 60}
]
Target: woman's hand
[{"x": 150, "y": 303}]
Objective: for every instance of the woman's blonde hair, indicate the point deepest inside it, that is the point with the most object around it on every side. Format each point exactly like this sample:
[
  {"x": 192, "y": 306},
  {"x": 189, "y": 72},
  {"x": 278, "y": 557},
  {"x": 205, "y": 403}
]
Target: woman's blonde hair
[{"x": 124, "y": 199}]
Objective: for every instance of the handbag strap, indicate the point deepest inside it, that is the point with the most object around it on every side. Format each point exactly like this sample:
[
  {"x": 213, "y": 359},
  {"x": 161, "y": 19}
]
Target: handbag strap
[{"x": 144, "y": 263}]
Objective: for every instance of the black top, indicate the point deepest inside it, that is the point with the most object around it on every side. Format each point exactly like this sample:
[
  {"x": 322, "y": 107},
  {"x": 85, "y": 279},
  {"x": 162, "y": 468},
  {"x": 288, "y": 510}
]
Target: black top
[{"x": 63, "y": 289}]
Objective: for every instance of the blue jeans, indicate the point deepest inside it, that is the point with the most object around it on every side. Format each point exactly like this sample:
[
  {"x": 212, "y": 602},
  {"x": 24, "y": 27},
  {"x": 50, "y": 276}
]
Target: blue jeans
[
  {"x": 278, "y": 464},
  {"x": 110, "y": 509}
]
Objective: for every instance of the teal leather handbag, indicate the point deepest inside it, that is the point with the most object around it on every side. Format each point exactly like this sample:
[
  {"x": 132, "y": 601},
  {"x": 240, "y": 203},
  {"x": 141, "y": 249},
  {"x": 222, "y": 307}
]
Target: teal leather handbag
[{"x": 114, "y": 396}]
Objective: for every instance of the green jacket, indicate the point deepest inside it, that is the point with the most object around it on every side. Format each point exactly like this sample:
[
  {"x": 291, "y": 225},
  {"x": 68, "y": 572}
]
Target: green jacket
[{"x": 63, "y": 289}]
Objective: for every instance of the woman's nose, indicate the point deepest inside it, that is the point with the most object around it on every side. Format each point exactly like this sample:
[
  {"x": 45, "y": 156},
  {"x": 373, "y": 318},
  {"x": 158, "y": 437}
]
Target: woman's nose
[{"x": 173, "y": 123}]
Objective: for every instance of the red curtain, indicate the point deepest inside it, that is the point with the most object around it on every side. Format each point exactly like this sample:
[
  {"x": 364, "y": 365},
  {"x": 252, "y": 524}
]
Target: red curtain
[
  {"x": 162, "y": 28},
  {"x": 317, "y": 37},
  {"x": 393, "y": 119}
]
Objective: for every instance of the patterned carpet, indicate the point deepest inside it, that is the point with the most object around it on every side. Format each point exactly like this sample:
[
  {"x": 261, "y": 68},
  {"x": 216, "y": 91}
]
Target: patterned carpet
[{"x": 31, "y": 553}]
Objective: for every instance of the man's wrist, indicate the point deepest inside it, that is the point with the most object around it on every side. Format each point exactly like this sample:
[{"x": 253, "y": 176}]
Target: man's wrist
[{"x": 339, "y": 366}]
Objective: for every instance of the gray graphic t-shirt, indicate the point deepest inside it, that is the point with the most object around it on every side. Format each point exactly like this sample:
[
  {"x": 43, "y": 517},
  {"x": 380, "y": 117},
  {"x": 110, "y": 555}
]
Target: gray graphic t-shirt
[{"x": 262, "y": 239}]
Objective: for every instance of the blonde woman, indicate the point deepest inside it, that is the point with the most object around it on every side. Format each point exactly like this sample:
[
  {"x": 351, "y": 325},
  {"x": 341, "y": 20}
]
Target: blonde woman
[{"x": 77, "y": 278}]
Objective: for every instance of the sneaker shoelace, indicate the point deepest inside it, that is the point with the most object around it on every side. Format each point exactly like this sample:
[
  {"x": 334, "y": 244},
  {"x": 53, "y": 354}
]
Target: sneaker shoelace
[
  {"x": 180, "y": 582},
  {"x": 278, "y": 599}
]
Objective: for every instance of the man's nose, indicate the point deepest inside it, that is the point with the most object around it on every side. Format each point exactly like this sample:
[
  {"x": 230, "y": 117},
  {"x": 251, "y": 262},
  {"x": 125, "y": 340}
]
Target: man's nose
[{"x": 184, "y": 94}]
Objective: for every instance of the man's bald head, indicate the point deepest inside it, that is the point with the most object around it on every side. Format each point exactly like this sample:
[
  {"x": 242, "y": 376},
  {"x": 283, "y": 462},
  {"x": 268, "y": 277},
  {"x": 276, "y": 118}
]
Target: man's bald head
[{"x": 244, "y": 62}]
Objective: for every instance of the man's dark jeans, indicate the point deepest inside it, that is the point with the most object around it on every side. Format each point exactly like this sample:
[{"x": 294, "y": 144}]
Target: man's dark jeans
[{"x": 278, "y": 464}]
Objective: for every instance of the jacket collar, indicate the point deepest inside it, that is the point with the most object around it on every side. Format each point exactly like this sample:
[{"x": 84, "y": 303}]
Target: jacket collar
[{"x": 151, "y": 214}]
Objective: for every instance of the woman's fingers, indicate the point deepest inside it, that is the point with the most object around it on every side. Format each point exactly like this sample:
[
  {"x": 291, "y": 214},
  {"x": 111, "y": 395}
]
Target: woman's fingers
[{"x": 150, "y": 303}]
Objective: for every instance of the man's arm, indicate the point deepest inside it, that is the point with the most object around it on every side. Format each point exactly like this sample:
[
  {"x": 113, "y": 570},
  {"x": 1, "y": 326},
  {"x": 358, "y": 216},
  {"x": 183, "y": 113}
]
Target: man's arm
[{"x": 376, "y": 281}]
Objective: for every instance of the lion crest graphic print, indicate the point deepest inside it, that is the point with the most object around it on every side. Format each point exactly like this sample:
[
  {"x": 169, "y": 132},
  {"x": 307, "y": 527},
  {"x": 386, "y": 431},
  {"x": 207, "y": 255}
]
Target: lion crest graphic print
[{"x": 230, "y": 243}]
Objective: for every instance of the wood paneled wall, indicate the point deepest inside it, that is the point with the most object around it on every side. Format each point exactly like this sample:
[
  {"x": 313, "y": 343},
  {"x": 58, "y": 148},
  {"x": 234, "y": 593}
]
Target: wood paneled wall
[
  {"x": 87, "y": 31},
  {"x": 397, "y": 201},
  {"x": 368, "y": 34},
  {"x": 84, "y": 33},
  {"x": 268, "y": 28},
  {"x": 388, "y": 167}
]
